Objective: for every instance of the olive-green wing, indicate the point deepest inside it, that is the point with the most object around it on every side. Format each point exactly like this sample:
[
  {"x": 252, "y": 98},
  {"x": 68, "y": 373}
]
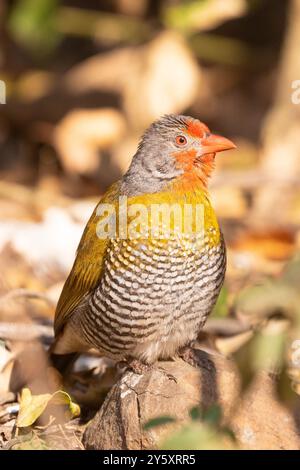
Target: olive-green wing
[{"x": 87, "y": 268}]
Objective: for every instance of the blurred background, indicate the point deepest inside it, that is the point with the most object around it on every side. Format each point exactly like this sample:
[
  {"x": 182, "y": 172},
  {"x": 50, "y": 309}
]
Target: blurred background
[{"x": 83, "y": 79}]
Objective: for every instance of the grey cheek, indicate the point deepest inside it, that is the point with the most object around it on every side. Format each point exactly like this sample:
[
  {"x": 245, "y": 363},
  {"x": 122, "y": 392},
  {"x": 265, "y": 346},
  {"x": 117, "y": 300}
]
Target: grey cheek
[{"x": 163, "y": 167}]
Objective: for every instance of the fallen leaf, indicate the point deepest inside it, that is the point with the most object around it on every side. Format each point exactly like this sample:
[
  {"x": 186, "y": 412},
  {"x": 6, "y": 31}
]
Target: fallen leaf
[
  {"x": 159, "y": 421},
  {"x": 83, "y": 133},
  {"x": 193, "y": 15},
  {"x": 229, "y": 202},
  {"x": 273, "y": 244},
  {"x": 33, "y": 406},
  {"x": 228, "y": 346},
  {"x": 198, "y": 436},
  {"x": 167, "y": 77}
]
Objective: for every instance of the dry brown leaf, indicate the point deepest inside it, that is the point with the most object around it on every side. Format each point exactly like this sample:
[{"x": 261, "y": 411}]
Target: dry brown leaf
[
  {"x": 100, "y": 72},
  {"x": 163, "y": 79},
  {"x": 229, "y": 202},
  {"x": 273, "y": 244},
  {"x": 82, "y": 133},
  {"x": 228, "y": 346},
  {"x": 34, "y": 84}
]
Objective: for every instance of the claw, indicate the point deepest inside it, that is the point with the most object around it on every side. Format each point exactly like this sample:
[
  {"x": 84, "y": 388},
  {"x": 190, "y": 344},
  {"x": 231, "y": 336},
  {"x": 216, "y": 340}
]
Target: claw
[
  {"x": 196, "y": 358},
  {"x": 141, "y": 368}
]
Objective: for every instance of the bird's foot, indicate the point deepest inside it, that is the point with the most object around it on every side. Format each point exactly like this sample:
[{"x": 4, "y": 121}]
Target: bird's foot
[
  {"x": 166, "y": 374},
  {"x": 195, "y": 357},
  {"x": 135, "y": 366},
  {"x": 140, "y": 368}
]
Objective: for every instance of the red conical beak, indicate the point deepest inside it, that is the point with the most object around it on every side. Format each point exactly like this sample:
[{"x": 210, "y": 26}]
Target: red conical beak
[{"x": 216, "y": 143}]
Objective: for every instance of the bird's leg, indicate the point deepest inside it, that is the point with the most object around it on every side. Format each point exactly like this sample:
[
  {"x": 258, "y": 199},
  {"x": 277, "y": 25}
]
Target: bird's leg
[
  {"x": 139, "y": 367},
  {"x": 136, "y": 366},
  {"x": 169, "y": 376},
  {"x": 196, "y": 358},
  {"x": 189, "y": 355}
]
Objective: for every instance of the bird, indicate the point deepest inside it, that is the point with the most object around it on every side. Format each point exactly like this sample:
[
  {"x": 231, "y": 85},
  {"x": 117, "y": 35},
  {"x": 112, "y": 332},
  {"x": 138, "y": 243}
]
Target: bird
[{"x": 145, "y": 298}]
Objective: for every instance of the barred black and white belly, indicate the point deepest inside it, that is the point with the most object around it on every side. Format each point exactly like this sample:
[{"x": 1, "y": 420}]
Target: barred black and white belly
[{"x": 154, "y": 296}]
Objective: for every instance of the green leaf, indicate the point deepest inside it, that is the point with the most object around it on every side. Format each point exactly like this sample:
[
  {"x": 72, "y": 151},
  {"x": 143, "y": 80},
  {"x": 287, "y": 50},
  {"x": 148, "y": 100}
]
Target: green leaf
[
  {"x": 264, "y": 351},
  {"x": 195, "y": 413},
  {"x": 197, "y": 15},
  {"x": 263, "y": 300},
  {"x": 197, "y": 436},
  {"x": 221, "y": 309},
  {"x": 212, "y": 415},
  {"x": 268, "y": 350},
  {"x": 33, "y": 23},
  {"x": 159, "y": 421}
]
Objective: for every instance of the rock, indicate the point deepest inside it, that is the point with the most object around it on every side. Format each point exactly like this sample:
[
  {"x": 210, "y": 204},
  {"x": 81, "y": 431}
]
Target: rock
[
  {"x": 171, "y": 389},
  {"x": 261, "y": 421},
  {"x": 136, "y": 399}
]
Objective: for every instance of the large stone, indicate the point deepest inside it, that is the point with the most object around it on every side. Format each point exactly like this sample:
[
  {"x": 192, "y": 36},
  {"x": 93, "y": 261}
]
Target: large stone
[
  {"x": 256, "y": 417},
  {"x": 261, "y": 422},
  {"x": 136, "y": 399}
]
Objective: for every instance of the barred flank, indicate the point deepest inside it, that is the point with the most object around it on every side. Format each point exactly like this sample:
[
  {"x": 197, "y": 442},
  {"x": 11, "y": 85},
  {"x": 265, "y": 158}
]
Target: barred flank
[{"x": 151, "y": 288}]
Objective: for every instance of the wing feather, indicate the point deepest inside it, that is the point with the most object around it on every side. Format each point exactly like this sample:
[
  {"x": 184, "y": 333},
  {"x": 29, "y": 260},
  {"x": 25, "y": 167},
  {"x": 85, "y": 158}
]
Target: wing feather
[{"x": 87, "y": 268}]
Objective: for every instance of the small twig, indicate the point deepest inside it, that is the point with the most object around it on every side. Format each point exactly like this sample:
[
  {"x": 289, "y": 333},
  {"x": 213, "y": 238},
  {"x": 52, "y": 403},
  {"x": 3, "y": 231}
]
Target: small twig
[
  {"x": 25, "y": 331},
  {"x": 80, "y": 445},
  {"x": 106, "y": 26},
  {"x": 25, "y": 293},
  {"x": 60, "y": 427},
  {"x": 17, "y": 440},
  {"x": 225, "y": 327},
  {"x": 30, "y": 197}
]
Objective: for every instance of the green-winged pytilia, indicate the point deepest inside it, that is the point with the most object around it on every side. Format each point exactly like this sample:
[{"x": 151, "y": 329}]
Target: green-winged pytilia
[{"x": 141, "y": 296}]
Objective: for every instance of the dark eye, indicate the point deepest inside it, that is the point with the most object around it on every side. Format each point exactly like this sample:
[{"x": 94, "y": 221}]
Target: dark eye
[{"x": 181, "y": 140}]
